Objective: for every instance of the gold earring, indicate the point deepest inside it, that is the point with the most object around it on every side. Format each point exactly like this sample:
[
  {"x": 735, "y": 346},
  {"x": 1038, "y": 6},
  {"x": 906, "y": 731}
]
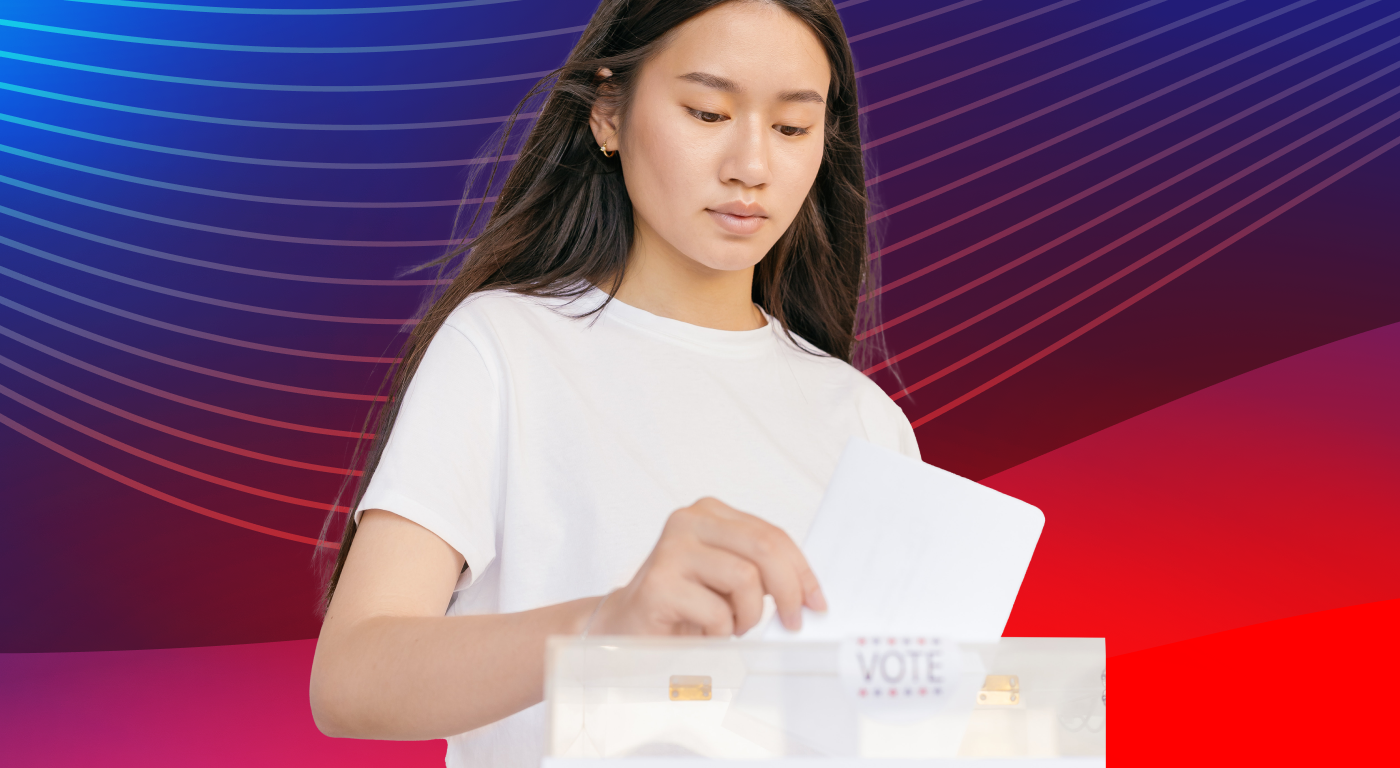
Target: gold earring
[{"x": 604, "y": 148}]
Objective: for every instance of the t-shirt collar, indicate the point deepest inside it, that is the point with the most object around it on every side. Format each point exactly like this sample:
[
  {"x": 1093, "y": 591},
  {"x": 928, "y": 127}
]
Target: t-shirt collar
[{"x": 736, "y": 343}]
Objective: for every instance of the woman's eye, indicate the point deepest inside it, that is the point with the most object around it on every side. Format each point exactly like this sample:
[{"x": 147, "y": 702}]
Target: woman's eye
[
  {"x": 791, "y": 130},
  {"x": 709, "y": 117}
]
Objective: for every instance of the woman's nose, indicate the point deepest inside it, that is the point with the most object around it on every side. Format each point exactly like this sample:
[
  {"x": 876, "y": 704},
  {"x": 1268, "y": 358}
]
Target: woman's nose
[{"x": 746, "y": 159}]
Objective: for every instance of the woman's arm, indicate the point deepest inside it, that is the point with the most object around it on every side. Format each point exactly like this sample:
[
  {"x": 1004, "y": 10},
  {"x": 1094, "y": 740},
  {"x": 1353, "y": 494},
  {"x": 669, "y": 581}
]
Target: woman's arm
[{"x": 390, "y": 665}]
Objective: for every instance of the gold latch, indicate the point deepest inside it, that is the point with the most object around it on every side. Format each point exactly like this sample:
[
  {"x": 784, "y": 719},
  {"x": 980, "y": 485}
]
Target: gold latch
[
  {"x": 1000, "y": 691},
  {"x": 690, "y": 687}
]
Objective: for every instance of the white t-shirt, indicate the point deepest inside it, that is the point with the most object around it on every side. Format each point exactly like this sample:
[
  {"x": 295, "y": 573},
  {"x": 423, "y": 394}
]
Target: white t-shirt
[{"x": 549, "y": 451}]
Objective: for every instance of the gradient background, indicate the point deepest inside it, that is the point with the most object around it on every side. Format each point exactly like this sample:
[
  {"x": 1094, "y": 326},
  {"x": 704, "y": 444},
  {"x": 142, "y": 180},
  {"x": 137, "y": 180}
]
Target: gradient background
[{"x": 1141, "y": 268}]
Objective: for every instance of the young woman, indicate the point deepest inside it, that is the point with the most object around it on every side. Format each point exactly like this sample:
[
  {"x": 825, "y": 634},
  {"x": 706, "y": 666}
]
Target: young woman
[{"x": 624, "y": 410}]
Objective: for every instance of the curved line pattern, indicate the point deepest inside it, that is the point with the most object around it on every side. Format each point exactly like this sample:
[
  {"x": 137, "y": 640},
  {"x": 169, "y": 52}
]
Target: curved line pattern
[
  {"x": 1004, "y": 233},
  {"x": 244, "y": 160},
  {"x": 476, "y": 121},
  {"x": 286, "y": 49},
  {"x": 180, "y": 329},
  {"x": 969, "y": 36},
  {"x": 294, "y": 11},
  {"x": 995, "y": 96},
  {"x": 158, "y": 461},
  {"x": 896, "y": 98},
  {"x": 169, "y": 430},
  {"x": 1086, "y": 226},
  {"x": 148, "y": 490},
  {"x": 372, "y": 88},
  {"x": 171, "y": 396},
  {"x": 221, "y": 230},
  {"x": 1080, "y": 127},
  {"x": 45, "y": 255},
  {"x": 1133, "y": 105},
  {"x": 1131, "y": 169},
  {"x": 443, "y": 124},
  {"x": 925, "y": 88},
  {"x": 911, "y": 20},
  {"x": 212, "y": 264},
  {"x": 986, "y": 135},
  {"x": 353, "y": 88},
  {"x": 1175, "y": 241},
  {"x": 258, "y": 123},
  {"x": 1101, "y": 54},
  {"x": 268, "y": 86},
  {"x": 939, "y": 227},
  {"x": 229, "y": 195},
  {"x": 1150, "y": 289},
  {"x": 1045, "y": 247},
  {"x": 259, "y": 161}
]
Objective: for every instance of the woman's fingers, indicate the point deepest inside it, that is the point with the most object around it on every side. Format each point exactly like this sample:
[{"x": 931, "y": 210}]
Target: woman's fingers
[
  {"x": 702, "y": 608},
  {"x": 785, "y": 572},
  {"x": 708, "y": 575},
  {"x": 735, "y": 577}
]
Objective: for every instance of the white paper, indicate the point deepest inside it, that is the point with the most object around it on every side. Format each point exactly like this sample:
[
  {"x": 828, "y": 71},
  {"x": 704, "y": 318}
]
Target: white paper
[{"x": 903, "y": 547}]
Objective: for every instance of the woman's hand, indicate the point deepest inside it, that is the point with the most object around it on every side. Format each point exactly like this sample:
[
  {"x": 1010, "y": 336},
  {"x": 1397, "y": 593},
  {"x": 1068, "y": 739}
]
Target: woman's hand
[{"x": 708, "y": 574}]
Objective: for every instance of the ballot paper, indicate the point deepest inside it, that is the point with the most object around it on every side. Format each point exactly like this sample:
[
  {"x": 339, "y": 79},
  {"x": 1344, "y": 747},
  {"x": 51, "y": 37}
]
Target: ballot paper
[{"x": 904, "y": 548}]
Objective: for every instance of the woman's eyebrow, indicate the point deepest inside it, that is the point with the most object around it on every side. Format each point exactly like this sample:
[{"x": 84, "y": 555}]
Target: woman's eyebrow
[
  {"x": 729, "y": 86},
  {"x": 803, "y": 95},
  {"x": 712, "y": 81}
]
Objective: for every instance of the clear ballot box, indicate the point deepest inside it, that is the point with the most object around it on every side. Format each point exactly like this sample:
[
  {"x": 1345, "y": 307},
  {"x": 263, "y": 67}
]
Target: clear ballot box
[{"x": 936, "y": 700}]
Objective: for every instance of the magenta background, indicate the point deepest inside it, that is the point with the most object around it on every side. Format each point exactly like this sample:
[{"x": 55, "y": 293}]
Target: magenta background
[{"x": 200, "y": 282}]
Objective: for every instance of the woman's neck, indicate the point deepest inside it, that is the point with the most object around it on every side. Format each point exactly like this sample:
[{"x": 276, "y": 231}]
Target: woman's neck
[{"x": 665, "y": 282}]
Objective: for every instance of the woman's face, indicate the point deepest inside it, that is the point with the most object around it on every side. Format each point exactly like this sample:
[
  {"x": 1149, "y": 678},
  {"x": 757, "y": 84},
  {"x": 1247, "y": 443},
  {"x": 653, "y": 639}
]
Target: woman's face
[{"x": 723, "y": 136}]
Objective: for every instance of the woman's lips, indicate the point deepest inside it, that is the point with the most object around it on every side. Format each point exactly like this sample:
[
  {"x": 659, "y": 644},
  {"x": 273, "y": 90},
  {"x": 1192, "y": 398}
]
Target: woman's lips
[{"x": 737, "y": 225}]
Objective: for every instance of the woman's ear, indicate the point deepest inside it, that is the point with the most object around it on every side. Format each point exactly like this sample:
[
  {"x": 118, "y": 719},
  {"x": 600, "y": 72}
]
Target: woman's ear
[{"x": 603, "y": 119}]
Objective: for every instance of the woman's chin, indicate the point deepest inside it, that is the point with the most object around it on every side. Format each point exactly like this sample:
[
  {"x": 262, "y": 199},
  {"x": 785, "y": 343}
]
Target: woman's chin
[
  {"x": 728, "y": 262},
  {"x": 726, "y": 255}
]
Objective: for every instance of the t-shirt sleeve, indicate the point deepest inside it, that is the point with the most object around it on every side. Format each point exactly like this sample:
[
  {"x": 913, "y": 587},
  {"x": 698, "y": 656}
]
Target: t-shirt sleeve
[
  {"x": 441, "y": 465},
  {"x": 885, "y": 422},
  {"x": 908, "y": 443}
]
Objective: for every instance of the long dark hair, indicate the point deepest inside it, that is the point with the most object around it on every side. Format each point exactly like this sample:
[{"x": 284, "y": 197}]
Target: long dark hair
[{"x": 562, "y": 219}]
